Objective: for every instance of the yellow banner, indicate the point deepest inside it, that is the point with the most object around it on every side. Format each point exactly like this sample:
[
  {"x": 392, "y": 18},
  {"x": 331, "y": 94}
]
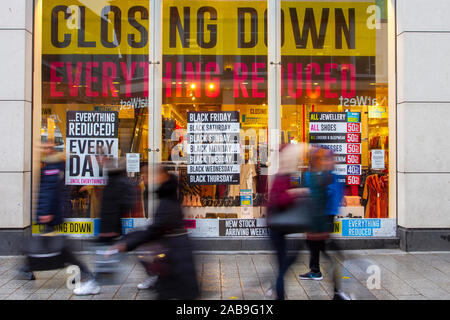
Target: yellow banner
[
  {"x": 68, "y": 227},
  {"x": 196, "y": 27},
  {"x": 337, "y": 227},
  {"x": 95, "y": 27}
]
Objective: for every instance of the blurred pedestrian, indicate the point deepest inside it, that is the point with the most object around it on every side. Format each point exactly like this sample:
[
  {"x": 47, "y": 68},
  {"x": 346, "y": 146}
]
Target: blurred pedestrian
[
  {"x": 53, "y": 205},
  {"x": 282, "y": 197},
  {"x": 117, "y": 200},
  {"x": 146, "y": 260},
  {"x": 176, "y": 270},
  {"x": 326, "y": 193}
]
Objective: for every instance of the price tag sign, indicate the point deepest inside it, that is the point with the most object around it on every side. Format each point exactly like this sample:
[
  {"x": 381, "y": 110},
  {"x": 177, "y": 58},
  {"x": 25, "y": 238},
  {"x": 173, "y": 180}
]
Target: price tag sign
[{"x": 353, "y": 180}]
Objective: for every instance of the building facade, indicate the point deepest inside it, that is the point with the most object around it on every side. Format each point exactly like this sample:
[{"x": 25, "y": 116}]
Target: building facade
[{"x": 212, "y": 89}]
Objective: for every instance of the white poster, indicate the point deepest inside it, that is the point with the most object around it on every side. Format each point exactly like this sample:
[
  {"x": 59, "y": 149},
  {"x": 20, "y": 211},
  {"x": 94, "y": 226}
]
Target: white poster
[
  {"x": 133, "y": 162},
  {"x": 91, "y": 136},
  {"x": 377, "y": 159},
  {"x": 213, "y": 148}
]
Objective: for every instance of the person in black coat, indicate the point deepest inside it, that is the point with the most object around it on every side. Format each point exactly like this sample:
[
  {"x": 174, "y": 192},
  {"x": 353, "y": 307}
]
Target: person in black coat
[
  {"x": 53, "y": 197},
  {"x": 53, "y": 206},
  {"x": 117, "y": 200},
  {"x": 177, "y": 277}
]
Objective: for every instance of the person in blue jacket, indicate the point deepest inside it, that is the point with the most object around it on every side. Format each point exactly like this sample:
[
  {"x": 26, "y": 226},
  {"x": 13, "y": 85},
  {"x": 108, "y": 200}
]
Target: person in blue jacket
[
  {"x": 53, "y": 204},
  {"x": 326, "y": 193}
]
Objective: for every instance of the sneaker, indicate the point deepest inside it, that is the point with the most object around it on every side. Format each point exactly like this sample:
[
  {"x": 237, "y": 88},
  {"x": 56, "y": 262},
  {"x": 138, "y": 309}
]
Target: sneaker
[
  {"x": 340, "y": 295},
  {"x": 311, "y": 276},
  {"x": 89, "y": 287},
  {"x": 147, "y": 283},
  {"x": 25, "y": 275}
]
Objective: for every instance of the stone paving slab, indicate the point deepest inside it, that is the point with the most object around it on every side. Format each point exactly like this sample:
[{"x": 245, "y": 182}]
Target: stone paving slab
[{"x": 403, "y": 276}]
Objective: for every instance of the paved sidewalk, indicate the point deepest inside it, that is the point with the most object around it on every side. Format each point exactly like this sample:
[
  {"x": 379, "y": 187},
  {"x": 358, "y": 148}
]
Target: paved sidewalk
[{"x": 403, "y": 276}]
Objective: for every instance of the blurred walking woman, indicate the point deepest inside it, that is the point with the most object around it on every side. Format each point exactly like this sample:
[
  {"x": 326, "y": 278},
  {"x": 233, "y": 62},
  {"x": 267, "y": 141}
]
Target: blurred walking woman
[
  {"x": 326, "y": 193},
  {"x": 176, "y": 271},
  {"x": 281, "y": 197}
]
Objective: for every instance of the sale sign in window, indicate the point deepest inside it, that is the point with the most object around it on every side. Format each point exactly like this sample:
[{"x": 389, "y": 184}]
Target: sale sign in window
[{"x": 341, "y": 133}]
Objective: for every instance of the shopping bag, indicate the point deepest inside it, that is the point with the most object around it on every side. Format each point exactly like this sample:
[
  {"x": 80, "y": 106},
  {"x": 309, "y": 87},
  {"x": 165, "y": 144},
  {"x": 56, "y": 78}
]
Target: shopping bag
[
  {"x": 45, "y": 252},
  {"x": 155, "y": 261},
  {"x": 108, "y": 265}
]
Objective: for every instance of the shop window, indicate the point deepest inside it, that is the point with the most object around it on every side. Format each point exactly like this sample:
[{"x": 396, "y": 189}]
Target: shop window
[
  {"x": 94, "y": 89},
  {"x": 334, "y": 93},
  {"x": 215, "y": 73}
]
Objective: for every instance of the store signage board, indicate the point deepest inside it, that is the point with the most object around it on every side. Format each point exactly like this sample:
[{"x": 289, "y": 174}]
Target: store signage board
[
  {"x": 242, "y": 227},
  {"x": 210, "y": 53},
  {"x": 246, "y": 197},
  {"x": 368, "y": 227},
  {"x": 89, "y": 135},
  {"x": 353, "y": 180},
  {"x": 345, "y": 169},
  {"x": 335, "y": 137},
  {"x": 213, "y": 228},
  {"x": 347, "y": 159},
  {"x": 213, "y": 148},
  {"x": 334, "y": 127},
  {"x": 133, "y": 162},
  {"x": 377, "y": 159},
  {"x": 341, "y": 133},
  {"x": 341, "y": 148}
]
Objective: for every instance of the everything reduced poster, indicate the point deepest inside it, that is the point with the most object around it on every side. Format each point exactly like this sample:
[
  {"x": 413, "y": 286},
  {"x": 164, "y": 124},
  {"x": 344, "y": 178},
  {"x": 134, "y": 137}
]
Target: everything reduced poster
[{"x": 90, "y": 135}]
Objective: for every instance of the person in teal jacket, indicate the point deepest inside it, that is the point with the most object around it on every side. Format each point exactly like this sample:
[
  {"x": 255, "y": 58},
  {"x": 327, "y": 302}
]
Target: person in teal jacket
[{"x": 326, "y": 193}]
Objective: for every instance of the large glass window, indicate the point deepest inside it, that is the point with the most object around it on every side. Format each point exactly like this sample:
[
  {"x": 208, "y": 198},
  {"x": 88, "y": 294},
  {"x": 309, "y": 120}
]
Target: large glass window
[
  {"x": 214, "y": 112},
  {"x": 207, "y": 113},
  {"x": 95, "y": 93},
  {"x": 334, "y": 93}
]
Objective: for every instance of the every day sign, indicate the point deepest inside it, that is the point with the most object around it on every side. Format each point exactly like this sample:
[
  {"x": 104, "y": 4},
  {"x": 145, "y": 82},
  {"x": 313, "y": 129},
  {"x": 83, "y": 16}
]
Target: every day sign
[{"x": 89, "y": 135}]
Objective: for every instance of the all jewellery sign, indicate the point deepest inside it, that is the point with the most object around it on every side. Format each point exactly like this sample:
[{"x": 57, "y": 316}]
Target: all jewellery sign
[{"x": 341, "y": 133}]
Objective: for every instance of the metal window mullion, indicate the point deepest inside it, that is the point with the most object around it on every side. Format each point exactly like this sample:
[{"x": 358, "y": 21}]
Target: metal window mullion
[
  {"x": 154, "y": 91},
  {"x": 274, "y": 85}
]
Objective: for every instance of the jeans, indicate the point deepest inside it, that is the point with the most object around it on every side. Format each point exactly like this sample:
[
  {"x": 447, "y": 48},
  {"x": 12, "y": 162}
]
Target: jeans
[{"x": 284, "y": 259}]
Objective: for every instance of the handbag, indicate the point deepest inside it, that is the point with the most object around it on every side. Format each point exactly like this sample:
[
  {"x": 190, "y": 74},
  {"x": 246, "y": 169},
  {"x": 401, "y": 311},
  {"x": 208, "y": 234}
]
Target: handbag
[{"x": 295, "y": 219}]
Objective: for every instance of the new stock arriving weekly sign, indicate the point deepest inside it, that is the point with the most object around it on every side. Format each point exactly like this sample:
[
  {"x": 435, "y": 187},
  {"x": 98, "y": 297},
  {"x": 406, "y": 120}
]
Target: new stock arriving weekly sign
[{"x": 81, "y": 227}]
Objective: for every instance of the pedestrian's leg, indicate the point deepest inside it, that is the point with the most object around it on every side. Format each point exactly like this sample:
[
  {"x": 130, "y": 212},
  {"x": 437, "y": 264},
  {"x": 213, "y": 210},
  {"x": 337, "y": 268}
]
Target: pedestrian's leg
[
  {"x": 335, "y": 265},
  {"x": 279, "y": 243},
  {"x": 70, "y": 258},
  {"x": 314, "y": 250}
]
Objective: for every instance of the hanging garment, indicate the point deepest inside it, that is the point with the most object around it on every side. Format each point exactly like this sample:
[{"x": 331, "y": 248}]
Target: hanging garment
[
  {"x": 247, "y": 177},
  {"x": 375, "y": 142},
  {"x": 376, "y": 191}
]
